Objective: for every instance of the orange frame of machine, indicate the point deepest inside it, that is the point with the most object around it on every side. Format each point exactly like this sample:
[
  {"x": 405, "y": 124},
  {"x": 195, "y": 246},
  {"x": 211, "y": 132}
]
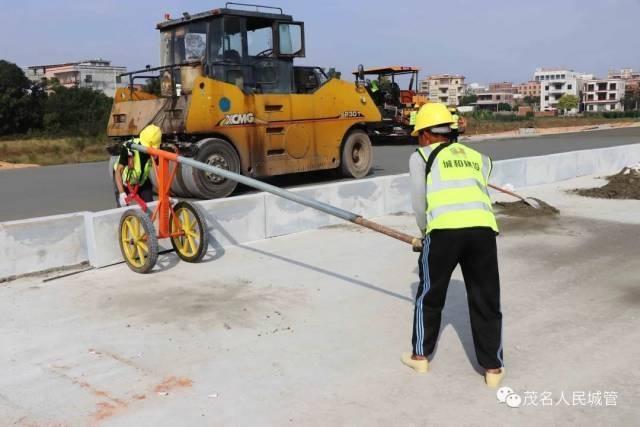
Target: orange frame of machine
[
  {"x": 184, "y": 223},
  {"x": 161, "y": 161}
]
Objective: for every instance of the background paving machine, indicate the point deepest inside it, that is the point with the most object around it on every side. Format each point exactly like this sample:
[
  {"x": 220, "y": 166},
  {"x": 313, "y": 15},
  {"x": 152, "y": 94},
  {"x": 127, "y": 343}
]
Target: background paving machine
[
  {"x": 230, "y": 96},
  {"x": 395, "y": 104}
]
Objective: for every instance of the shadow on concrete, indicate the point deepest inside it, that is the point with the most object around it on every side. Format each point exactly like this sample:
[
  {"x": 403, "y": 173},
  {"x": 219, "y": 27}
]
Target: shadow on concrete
[
  {"x": 456, "y": 314},
  {"x": 220, "y": 251},
  {"x": 169, "y": 259},
  {"x": 166, "y": 261},
  {"x": 210, "y": 257}
]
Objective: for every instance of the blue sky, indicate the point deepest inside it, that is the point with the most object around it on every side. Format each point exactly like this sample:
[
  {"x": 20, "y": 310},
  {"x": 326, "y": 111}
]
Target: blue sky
[{"x": 490, "y": 40}]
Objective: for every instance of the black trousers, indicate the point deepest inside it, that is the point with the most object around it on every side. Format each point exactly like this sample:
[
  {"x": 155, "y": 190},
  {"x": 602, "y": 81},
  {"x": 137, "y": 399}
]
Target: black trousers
[
  {"x": 453, "y": 136},
  {"x": 475, "y": 250}
]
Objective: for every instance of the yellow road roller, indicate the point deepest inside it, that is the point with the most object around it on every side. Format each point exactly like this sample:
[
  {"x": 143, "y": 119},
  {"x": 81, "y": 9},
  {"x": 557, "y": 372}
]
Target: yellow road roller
[{"x": 227, "y": 93}]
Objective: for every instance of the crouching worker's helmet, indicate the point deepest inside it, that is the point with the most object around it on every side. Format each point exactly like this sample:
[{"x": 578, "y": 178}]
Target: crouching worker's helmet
[{"x": 151, "y": 136}]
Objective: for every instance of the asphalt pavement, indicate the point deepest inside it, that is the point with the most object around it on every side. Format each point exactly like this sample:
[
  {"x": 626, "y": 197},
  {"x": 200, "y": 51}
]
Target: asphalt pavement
[{"x": 52, "y": 190}]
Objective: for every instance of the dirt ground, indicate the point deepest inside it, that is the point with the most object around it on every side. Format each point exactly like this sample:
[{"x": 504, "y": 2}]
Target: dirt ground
[
  {"x": 544, "y": 126},
  {"x": 623, "y": 185},
  {"x": 551, "y": 126},
  {"x": 51, "y": 151},
  {"x": 7, "y": 165},
  {"x": 523, "y": 210}
]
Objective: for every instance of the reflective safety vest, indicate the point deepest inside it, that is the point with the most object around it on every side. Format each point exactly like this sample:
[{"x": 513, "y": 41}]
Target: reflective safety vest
[
  {"x": 457, "y": 195},
  {"x": 412, "y": 118},
  {"x": 456, "y": 118},
  {"x": 134, "y": 173}
]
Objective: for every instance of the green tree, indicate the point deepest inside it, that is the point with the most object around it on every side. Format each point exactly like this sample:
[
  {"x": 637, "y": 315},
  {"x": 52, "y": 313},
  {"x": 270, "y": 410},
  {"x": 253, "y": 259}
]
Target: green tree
[
  {"x": 20, "y": 100},
  {"x": 567, "y": 102},
  {"x": 631, "y": 100},
  {"x": 76, "y": 111},
  {"x": 503, "y": 106},
  {"x": 468, "y": 99},
  {"x": 531, "y": 100}
]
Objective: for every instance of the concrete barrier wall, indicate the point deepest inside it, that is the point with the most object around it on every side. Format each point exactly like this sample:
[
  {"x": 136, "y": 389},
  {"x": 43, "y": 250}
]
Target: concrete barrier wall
[
  {"x": 40, "y": 244},
  {"x": 558, "y": 167},
  {"x": 43, "y": 243}
]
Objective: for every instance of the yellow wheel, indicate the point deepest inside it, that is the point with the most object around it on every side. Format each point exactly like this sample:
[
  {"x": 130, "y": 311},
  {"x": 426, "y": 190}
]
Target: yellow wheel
[
  {"x": 192, "y": 244},
  {"x": 138, "y": 241}
]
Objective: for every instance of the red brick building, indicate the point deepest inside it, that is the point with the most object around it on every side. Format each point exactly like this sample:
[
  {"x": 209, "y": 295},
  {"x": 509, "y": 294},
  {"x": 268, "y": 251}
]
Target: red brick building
[
  {"x": 503, "y": 87},
  {"x": 531, "y": 88}
]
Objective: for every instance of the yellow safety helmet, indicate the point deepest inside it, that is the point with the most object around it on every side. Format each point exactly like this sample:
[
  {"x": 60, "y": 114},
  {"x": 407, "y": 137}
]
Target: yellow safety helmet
[
  {"x": 430, "y": 115},
  {"x": 453, "y": 109},
  {"x": 151, "y": 136}
]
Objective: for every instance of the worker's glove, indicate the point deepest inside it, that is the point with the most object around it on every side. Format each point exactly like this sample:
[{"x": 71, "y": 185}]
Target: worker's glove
[
  {"x": 122, "y": 199},
  {"x": 416, "y": 243}
]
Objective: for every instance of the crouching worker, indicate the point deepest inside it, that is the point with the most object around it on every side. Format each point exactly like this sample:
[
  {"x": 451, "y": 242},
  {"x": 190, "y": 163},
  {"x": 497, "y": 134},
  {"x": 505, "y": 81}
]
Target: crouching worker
[{"x": 133, "y": 168}]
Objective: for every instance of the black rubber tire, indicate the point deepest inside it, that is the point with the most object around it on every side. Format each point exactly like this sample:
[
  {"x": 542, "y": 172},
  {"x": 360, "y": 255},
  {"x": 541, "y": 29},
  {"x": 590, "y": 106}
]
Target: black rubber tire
[
  {"x": 356, "y": 157},
  {"x": 219, "y": 153},
  {"x": 177, "y": 187},
  {"x": 151, "y": 241},
  {"x": 179, "y": 184},
  {"x": 203, "y": 231}
]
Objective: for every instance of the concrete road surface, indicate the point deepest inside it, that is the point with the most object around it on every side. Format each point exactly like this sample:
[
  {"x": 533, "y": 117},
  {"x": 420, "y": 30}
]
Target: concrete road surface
[
  {"x": 308, "y": 329},
  {"x": 27, "y": 193}
]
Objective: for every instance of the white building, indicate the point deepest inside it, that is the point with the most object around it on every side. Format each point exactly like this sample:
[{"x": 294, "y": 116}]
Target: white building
[
  {"x": 631, "y": 79},
  {"x": 603, "y": 95},
  {"x": 624, "y": 73},
  {"x": 97, "y": 74},
  {"x": 476, "y": 88},
  {"x": 492, "y": 100},
  {"x": 556, "y": 82},
  {"x": 445, "y": 88}
]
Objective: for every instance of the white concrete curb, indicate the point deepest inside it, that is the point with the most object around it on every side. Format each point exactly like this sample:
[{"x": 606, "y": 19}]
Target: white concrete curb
[{"x": 39, "y": 244}]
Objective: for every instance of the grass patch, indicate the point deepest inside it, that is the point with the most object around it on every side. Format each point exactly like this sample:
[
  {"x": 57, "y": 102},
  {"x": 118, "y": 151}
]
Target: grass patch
[
  {"x": 54, "y": 151},
  {"x": 481, "y": 126}
]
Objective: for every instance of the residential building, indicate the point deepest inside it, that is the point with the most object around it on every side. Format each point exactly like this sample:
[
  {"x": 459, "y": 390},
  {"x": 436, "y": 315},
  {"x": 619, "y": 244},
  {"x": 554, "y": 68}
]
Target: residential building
[
  {"x": 603, "y": 95},
  {"x": 475, "y": 88},
  {"x": 423, "y": 86},
  {"x": 632, "y": 85},
  {"x": 492, "y": 100},
  {"x": 555, "y": 82},
  {"x": 504, "y": 87},
  {"x": 530, "y": 88},
  {"x": 631, "y": 78},
  {"x": 97, "y": 74},
  {"x": 624, "y": 74},
  {"x": 445, "y": 88}
]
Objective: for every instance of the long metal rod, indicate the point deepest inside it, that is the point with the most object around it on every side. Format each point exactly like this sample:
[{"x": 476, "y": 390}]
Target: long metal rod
[
  {"x": 254, "y": 183},
  {"x": 529, "y": 201},
  {"x": 306, "y": 201}
]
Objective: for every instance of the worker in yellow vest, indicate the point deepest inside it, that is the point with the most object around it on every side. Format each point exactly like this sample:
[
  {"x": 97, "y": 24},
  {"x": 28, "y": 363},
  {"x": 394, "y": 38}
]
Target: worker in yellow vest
[
  {"x": 453, "y": 211},
  {"x": 455, "y": 126},
  {"x": 133, "y": 168},
  {"x": 412, "y": 117}
]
